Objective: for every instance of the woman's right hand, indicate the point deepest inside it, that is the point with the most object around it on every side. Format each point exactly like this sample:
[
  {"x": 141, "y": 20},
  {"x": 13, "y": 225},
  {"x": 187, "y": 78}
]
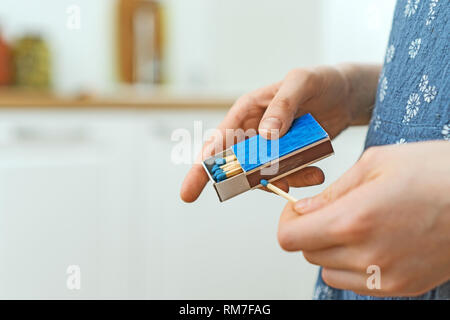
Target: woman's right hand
[{"x": 336, "y": 96}]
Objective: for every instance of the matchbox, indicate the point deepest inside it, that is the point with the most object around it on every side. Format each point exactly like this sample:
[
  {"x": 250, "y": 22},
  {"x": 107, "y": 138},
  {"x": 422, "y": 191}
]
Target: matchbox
[{"x": 241, "y": 167}]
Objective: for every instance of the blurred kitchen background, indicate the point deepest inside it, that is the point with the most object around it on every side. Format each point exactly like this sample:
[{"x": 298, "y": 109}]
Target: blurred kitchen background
[{"x": 90, "y": 93}]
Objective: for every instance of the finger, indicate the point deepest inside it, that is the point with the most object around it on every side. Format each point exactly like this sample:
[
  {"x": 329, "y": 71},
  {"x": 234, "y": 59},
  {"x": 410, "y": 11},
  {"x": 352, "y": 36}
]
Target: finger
[
  {"x": 345, "y": 279},
  {"x": 294, "y": 90},
  {"x": 287, "y": 215},
  {"x": 196, "y": 178},
  {"x": 340, "y": 257},
  {"x": 309, "y": 176},
  {"x": 307, "y": 232},
  {"x": 240, "y": 115},
  {"x": 193, "y": 183},
  {"x": 341, "y": 222},
  {"x": 247, "y": 111},
  {"x": 348, "y": 181}
]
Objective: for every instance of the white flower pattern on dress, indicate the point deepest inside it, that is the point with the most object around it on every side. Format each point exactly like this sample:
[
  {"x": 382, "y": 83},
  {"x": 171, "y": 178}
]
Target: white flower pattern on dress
[
  {"x": 414, "y": 48},
  {"x": 423, "y": 84},
  {"x": 377, "y": 123},
  {"x": 383, "y": 88},
  {"x": 323, "y": 293},
  {"x": 381, "y": 77},
  {"x": 411, "y": 7},
  {"x": 446, "y": 132},
  {"x": 401, "y": 141},
  {"x": 412, "y": 107},
  {"x": 431, "y": 12},
  {"x": 390, "y": 53},
  {"x": 430, "y": 94}
]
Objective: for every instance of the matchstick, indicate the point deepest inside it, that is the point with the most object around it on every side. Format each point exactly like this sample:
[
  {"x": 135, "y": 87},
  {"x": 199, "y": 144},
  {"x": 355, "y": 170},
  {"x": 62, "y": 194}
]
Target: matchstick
[
  {"x": 278, "y": 191},
  {"x": 225, "y": 167},
  {"x": 222, "y": 161},
  {"x": 228, "y": 167},
  {"x": 228, "y": 174}
]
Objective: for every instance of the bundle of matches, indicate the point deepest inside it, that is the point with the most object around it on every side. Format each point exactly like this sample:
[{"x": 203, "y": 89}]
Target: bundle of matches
[{"x": 225, "y": 168}]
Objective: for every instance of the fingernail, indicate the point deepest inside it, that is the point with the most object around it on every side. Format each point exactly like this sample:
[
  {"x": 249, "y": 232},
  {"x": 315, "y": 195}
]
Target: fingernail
[
  {"x": 269, "y": 124},
  {"x": 303, "y": 205}
]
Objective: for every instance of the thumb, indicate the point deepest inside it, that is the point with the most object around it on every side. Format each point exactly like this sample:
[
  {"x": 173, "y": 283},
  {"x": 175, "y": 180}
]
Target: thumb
[
  {"x": 348, "y": 181},
  {"x": 295, "y": 89}
]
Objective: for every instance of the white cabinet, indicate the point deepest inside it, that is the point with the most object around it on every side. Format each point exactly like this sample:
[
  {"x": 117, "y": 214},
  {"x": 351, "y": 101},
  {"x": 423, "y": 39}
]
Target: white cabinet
[
  {"x": 98, "y": 189},
  {"x": 66, "y": 191}
]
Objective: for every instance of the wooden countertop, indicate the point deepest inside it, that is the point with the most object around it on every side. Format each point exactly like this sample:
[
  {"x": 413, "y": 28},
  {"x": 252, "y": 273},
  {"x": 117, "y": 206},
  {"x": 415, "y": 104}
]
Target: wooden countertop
[{"x": 13, "y": 98}]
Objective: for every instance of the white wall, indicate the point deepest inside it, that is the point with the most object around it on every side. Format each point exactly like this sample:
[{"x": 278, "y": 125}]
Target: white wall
[
  {"x": 237, "y": 45},
  {"x": 356, "y": 30},
  {"x": 226, "y": 46}
]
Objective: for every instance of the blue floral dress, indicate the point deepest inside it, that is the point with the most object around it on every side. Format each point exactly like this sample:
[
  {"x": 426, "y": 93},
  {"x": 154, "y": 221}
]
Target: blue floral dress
[{"x": 413, "y": 95}]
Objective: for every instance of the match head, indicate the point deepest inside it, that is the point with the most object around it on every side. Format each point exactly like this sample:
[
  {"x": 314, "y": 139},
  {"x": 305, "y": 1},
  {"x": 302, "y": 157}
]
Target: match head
[
  {"x": 218, "y": 172},
  {"x": 264, "y": 183},
  {"x": 221, "y": 161},
  {"x": 221, "y": 177}
]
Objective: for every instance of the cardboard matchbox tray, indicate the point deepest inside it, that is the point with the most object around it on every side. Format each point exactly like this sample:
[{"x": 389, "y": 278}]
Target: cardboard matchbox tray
[{"x": 305, "y": 143}]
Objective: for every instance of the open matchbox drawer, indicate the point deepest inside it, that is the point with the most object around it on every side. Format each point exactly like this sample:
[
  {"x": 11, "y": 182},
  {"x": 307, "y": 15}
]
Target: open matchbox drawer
[{"x": 305, "y": 143}]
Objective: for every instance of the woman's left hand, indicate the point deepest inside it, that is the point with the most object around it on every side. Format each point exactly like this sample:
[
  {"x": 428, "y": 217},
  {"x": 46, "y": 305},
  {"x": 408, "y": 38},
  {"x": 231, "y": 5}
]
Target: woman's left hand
[{"x": 390, "y": 211}]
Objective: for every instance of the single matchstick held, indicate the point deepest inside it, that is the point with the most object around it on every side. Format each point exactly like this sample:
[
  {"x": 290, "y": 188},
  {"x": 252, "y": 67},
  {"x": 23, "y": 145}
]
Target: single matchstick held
[{"x": 278, "y": 191}]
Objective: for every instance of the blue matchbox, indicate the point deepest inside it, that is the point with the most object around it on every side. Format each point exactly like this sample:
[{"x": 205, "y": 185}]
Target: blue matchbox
[{"x": 257, "y": 158}]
